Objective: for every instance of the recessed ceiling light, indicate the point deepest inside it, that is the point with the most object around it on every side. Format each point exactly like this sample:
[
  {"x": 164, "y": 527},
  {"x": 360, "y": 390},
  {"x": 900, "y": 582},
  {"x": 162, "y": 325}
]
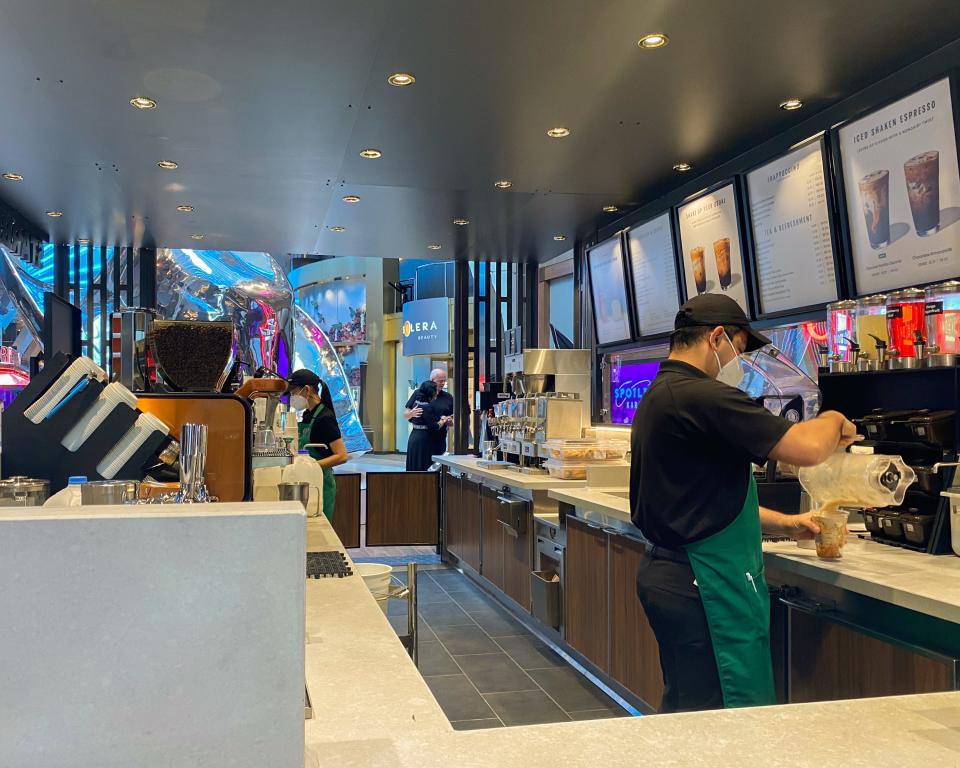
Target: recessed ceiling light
[
  {"x": 197, "y": 236},
  {"x": 610, "y": 209},
  {"x": 54, "y": 214},
  {"x": 167, "y": 165},
  {"x": 84, "y": 241},
  {"x": 434, "y": 246},
  {"x": 13, "y": 176},
  {"x": 503, "y": 184},
  {"x": 185, "y": 208},
  {"x": 351, "y": 198},
  {"x": 401, "y": 79},
  {"x": 559, "y": 238},
  {"x": 142, "y": 102},
  {"x": 791, "y": 104},
  {"x": 558, "y": 133},
  {"x": 653, "y": 40},
  {"x": 461, "y": 222},
  {"x": 338, "y": 229},
  {"x": 682, "y": 167},
  {"x": 370, "y": 154}
]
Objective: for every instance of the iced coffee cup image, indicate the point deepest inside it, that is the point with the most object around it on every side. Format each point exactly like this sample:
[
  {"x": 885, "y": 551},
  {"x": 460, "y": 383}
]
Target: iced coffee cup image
[
  {"x": 699, "y": 268},
  {"x": 721, "y": 250},
  {"x": 922, "y": 174},
  {"x": 875, "y": 200}
]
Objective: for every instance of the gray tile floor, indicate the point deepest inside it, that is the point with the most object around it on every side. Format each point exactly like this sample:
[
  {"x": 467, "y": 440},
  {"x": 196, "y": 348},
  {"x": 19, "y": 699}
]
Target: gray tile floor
[{"x": 484, "y": 668}]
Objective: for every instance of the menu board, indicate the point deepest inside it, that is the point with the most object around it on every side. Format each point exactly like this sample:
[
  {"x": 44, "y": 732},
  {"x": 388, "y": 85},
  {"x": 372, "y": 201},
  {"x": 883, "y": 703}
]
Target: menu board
[
  {"x": 654, "y": 270},
  {"x": 712, "y": 254},
  {"x": 791, "y": 231},
  {"x": 608, "y": 286},
  {"x": 903, "y": 192}
]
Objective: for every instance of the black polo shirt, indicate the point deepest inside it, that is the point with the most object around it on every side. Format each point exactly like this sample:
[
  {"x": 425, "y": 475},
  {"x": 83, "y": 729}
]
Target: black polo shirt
[{"x": 692, "y": 443}]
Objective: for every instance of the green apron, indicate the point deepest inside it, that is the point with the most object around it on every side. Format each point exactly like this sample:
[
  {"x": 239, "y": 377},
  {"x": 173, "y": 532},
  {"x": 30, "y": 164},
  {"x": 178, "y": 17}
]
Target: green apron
[
  {"x": 329, "y": 480},
  {"x": 729, "y": 570}
]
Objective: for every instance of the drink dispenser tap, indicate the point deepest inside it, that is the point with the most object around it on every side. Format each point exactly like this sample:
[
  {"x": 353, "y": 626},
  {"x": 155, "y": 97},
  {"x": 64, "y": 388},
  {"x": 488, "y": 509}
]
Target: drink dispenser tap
[
  {"x": 881, "y": 349},
  {"x": 919, "y": 344}
]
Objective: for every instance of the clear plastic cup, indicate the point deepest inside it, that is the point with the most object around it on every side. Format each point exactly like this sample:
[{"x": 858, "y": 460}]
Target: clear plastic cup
[{"x": 833, "y": 533}]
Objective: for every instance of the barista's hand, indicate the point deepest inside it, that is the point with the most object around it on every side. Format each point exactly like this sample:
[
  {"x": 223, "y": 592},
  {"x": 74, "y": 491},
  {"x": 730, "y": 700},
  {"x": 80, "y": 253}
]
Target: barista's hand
[
  {"x": 803, "y": 526},
  {"x": 848, "y": 434}
]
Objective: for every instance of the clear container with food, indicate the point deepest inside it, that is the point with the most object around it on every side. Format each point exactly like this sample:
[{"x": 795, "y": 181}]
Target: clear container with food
[
  {"x": 841, "y": 327},
  {"x": 567, "y": 470},
  {"x": 943, "y": 317},
  {"x": 905, "y": 317},
  {"x": 872, "y": 325},
  {"x": 567, "y": 450}
]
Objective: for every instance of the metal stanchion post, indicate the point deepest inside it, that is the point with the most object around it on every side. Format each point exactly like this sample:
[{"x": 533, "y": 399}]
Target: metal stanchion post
[{"x": 412, "y": 622}]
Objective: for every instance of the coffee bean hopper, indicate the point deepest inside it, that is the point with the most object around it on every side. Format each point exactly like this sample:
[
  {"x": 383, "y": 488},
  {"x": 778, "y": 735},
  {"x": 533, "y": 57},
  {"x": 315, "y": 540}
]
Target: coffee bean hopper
[{"x": 192, "y": 355}]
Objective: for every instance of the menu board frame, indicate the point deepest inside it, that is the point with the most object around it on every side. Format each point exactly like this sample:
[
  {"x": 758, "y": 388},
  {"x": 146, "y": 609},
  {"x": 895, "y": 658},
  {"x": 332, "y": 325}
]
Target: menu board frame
[
  {"x": 743, "y": 234},
  {"x": 841, "y": 183},
  {"x": 627, "y": 288},
  {"x": 839, "y": 266},
  {"x": 639, "y": 335}
]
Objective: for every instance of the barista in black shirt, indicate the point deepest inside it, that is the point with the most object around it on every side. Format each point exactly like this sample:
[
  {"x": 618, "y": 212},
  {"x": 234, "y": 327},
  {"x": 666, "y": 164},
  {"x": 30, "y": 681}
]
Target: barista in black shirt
[{"x": 693, "y": 496}]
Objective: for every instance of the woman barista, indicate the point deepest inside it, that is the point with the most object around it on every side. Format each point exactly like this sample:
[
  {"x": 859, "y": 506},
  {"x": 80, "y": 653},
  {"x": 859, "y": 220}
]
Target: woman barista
[{"x": 318, "y": 426}]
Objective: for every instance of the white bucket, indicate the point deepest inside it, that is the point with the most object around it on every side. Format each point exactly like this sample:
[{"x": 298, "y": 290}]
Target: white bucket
[{"x": 377, "y": 578}]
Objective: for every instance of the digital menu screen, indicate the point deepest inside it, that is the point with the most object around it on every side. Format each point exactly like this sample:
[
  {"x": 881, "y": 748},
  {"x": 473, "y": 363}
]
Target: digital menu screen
[
  {"x": 608, "y": 289},
  {"x": 711, "y": 252},
  {"x": 654, "y": 268},
  {"x": 628, "y": 384},
  {"x": 902, "y": 189},
  {"x": 790, "y": 218}
]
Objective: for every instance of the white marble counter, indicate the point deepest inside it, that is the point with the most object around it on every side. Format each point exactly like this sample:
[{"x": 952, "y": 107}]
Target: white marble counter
[
  {"x": 373, "y": 709},
  {"x": 514, "y": 479}
]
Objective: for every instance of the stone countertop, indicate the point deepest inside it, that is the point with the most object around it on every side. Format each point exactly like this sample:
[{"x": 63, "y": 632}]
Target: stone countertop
[
  {"x": 928, "y": 584},
  {"x": 372, "y": 709},
  {"x": 507, "y": 477}
]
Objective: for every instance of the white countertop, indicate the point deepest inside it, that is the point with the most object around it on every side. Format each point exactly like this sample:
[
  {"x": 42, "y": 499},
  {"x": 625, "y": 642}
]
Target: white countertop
[
  {"x": 507, "y": 477},
  {"x": 595, "y": 500},
  {"x": 372, "y": 708}
]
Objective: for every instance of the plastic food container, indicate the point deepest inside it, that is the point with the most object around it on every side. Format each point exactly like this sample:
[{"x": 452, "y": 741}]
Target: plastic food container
[
  {"x": 871, "y": 324},
  {"x": 943, "y": 317},
  {"x": 905, "y": 316},
  {"x": 584, "y": 450},
  {"x": 841, "y": 326},
  {"x": 563, "y": 470}
]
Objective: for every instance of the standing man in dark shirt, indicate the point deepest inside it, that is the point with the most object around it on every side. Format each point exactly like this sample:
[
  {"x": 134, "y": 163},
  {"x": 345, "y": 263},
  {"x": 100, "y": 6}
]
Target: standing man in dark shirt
[
  {"x": 442, "y": 406},
  {"x": 693, "y": 496}
]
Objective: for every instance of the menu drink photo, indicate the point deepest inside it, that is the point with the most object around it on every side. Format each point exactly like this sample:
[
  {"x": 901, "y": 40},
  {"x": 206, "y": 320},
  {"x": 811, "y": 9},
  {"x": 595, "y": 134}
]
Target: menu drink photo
[
  {"x": 654, "y": 267},
  {"x": 609, "y": 291},
  {"x": 902, "y": 188},
  {"x": 790, "y": 219},
  {"x": 710, "y": 242}
]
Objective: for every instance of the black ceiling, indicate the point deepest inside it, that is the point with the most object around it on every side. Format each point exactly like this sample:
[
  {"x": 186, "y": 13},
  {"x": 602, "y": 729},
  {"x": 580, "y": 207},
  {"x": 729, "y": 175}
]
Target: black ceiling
[{"x": 266, "y": 105}]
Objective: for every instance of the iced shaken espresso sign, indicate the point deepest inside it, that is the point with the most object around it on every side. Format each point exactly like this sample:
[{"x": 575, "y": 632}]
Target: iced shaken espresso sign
[
  {"x": 902, "y": 189},
  {"x": 710, "y": 241}
]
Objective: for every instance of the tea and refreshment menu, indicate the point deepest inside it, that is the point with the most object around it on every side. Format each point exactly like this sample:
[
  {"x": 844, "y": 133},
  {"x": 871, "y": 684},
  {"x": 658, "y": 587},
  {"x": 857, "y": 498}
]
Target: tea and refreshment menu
[
  {"x": 791, "y": 231},
  {"x": 903, "y": 192},
  {"x": 712, "y": 254},
  {"x": 609, "y": 291},
  {"x": 654, "y": 275}
]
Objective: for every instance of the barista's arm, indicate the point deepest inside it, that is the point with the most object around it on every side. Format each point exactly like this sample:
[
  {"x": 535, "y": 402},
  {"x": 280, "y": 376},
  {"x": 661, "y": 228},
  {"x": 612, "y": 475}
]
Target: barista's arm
[
  {"x": 338, "y": 457},
  {"x": 794, "y": 526},
  {"x": 811, "y": 442}
]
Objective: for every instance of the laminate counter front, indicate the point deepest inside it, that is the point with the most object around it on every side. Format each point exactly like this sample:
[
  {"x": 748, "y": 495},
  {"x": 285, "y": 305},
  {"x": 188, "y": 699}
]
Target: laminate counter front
[{"x": 372, "y": 709}]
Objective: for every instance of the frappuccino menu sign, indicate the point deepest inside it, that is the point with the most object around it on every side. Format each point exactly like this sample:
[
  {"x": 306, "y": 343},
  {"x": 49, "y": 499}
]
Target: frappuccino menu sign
[
  {"x": 654, "y": 275},
  {"x": 609, "y": 292},
  {"x": 712, "y": 254},
  {"x": 903, "y": 192},
  {"x": 791, "y": 231}
]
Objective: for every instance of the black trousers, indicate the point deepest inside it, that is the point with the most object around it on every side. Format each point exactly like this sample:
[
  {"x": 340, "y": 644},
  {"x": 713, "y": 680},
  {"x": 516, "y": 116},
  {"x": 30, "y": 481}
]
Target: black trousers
[{"x": 673, "y": 607}]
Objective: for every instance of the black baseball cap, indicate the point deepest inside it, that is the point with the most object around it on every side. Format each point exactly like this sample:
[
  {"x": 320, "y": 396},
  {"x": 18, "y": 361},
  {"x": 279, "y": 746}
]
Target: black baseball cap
[
  {"x": 713, "y": 309},
  {"x": 303, "y": 378}
]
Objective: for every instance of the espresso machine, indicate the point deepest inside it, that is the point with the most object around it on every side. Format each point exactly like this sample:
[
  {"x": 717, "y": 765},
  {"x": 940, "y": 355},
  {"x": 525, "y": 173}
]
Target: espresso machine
[{"x": 550, "y": 399}]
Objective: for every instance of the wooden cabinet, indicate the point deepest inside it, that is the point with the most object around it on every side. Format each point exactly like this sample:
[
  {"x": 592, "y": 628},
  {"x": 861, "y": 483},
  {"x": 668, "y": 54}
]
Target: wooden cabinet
[
  {"x": 491, "y": 547},
  {"x": 346, "y": 510},
  {"x": 469, "y": 520},
  {"x": 453, "y": 514},
  {"x": 830, "y": 661},
  {"x": 518, "y": 561},
  {"x": 586, "y": 592},
  {"x": 634, "y": 653},
  {"x": 402, "y": 508}
]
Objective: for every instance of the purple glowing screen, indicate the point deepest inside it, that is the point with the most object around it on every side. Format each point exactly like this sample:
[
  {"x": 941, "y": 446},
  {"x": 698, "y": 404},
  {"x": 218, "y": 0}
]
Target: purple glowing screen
[{"x": 628, "y": 384}]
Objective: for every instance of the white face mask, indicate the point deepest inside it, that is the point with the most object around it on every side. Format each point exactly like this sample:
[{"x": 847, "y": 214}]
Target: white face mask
[
  {"x": 731, "y": 373},
  {"x": 298, "y": 402}
]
